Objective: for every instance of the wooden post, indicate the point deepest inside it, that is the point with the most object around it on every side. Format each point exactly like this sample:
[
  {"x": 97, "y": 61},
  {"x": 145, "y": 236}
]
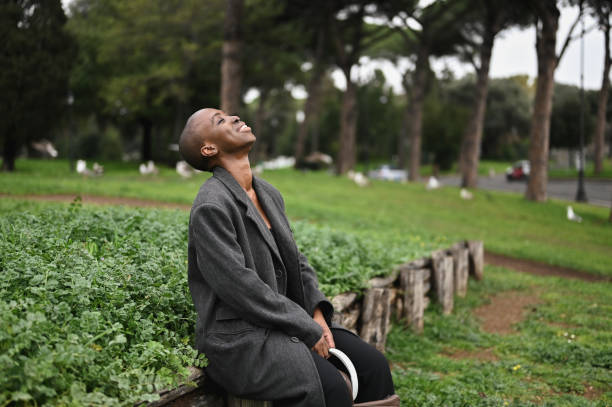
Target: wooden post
[
  {"x": 412, "y": 285},
  {"x": 348, "y": 318},
  {"x": 476, "y": 250},
  {"x": 460, "y": 256},
  {"x": 375, "y": 317},
  {"x": 238, "y": 402},
  {"x": 443, "y": 280},
  {"x": 346, "y": 310}
]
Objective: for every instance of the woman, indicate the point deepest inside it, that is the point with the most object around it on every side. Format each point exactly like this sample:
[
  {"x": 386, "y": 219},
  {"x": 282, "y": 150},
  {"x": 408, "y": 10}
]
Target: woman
[{"x": 262, "y": 322}]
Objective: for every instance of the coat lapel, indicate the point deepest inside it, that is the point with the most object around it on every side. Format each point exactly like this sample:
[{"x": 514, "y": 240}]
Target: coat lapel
[
  {"x": 285, "y": 241},
  {"x": 251, "y": 211},
  {"x": 276, "y": 218}
]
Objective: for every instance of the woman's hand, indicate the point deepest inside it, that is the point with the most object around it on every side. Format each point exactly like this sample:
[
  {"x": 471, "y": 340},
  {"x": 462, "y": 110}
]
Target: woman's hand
[
  {"x": 327, "y": 335},
  {"x": 321, "y": 347}
]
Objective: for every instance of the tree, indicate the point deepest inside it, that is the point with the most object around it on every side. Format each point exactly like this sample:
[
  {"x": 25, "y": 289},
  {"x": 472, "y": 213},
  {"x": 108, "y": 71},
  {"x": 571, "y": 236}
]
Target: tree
[
  {"x": 351, "y": 36},
  {"x": 274, "y": 61},
  {"x": 487, "y": 19},
  {"x": 379, "y": 119},
  {"x": 565, "y": 116},
  {"x": 602, "y": 9},
  {"x": 445, "y": 113},
  {"x": 547, "y": 14},
  {"x": 313, "y": 100},
  {"x": 36, "y": 57},
  {"x": 231, "y": 61},
  {"x": 148, "y": 62},
  {"x": 435, "y": 33},
  {"x": 314, "y": 17},
  {"x": 506, "y": 124}
]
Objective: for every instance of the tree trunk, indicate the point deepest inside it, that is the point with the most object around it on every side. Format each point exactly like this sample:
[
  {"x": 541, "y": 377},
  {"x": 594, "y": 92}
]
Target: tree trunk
[
  {"x": 401, "y": 139},
  {"x": 470, "y": 147},
  {"x": 10, "y": 152},
  {"x": 539, "y": 134},
  {"x": 348, "y": 127},
  {"x": 147, "y": 139},
  {"x": 415, "y": 128},
  {"x": 314, "y": 145},
  {"x": 600, "y": 129},
  {"x": 311, "y": 107},
  {"x": 231, "y": 63},
  {"x": 261, "y": 147}
]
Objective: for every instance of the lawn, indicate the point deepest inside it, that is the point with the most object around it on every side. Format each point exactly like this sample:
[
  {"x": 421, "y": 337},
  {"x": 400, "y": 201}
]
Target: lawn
[
  {"x": 588, "y": 171},
  {"x": 559, "y": 354},
  {"x": 389, "y": 213},
  {"x": 486, "y": 167}
]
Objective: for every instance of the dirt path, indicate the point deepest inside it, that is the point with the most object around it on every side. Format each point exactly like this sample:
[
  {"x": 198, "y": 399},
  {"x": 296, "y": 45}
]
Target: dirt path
[
  {"x": 539, "y": 268},
  {"x": 101, "y": 200},
  {"x": 505, "y": 309}
]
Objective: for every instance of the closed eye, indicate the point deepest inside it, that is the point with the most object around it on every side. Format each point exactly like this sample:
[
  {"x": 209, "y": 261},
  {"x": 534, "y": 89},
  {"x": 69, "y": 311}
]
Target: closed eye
[{"x": 220, "y": 121}]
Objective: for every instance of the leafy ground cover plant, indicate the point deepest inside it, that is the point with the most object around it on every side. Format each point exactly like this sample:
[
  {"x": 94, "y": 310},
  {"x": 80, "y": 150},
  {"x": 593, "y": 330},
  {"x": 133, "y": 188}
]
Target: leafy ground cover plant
[{"x": 94, "y": 303}]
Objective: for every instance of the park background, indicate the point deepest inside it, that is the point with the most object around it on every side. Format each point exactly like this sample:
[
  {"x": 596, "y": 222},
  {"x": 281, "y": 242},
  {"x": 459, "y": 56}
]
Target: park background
[{"x": 95, "y": 309}]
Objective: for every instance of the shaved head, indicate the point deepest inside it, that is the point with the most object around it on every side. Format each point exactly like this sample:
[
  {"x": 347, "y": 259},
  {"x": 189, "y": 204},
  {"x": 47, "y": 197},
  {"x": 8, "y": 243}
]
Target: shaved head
[
  {"x": 211, "y": 137},
  {"x": 192, "y": 139}
]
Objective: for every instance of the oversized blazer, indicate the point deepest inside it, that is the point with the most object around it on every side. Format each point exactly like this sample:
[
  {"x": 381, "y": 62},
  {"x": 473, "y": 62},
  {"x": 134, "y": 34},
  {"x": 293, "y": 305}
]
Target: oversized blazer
[{"x": 254, "y": 295}]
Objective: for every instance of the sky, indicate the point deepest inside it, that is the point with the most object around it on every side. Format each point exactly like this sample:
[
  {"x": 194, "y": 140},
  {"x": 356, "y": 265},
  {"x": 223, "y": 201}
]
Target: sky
[{"x": 513, "y": 54}]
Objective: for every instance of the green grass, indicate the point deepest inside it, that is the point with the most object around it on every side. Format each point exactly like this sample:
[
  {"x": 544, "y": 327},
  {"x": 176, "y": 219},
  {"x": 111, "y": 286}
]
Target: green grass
[
  {"x": 484, "y": 167},
  {"x": 499, "y": 167},
  {"x": 589, "y": 171},
  {"x": 561, "y": 348},
  {"x": 386, "y": 212}
]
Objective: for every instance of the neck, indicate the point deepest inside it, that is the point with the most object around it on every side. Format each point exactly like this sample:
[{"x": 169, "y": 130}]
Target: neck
[{"x": 240, "y": 168}]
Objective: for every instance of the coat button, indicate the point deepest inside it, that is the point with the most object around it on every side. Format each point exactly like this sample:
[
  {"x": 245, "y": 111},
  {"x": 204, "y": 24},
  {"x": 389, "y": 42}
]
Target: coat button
[{"x": 294, "y": 339}]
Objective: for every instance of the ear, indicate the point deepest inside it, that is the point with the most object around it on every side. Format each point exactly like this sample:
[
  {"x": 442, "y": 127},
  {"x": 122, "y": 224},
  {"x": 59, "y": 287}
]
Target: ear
[{"x": 209, "y": 150}]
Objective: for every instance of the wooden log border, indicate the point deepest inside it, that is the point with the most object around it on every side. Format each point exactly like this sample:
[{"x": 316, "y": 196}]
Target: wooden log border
[{"x": 407, "y": 292}]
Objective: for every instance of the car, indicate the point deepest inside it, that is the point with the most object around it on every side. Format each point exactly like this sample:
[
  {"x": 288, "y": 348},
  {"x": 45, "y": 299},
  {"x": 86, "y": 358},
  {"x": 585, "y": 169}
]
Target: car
[
  {"x": 388, "y": 173},
  {"x": 519, "y": 171}
]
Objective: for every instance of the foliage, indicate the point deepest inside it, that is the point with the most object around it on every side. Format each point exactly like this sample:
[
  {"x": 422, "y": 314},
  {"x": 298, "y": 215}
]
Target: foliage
[
  {"x": 379, "y": 121},
  {"x": 36, "y": 55},
  {"x": 565, "y": 118},
  {"x": 506, "y": 124},
  {"x": 95, "y": 306},
  {"x": 559, "y": 355},
  {"x": 144, "y": 63},
  {"x": 345, "y": 262},
  {"x": 444, "y": 119}
]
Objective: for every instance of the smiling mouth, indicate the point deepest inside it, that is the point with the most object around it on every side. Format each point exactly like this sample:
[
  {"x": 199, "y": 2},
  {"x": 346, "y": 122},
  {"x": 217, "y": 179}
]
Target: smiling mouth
[{"x": 244, "y": 128}]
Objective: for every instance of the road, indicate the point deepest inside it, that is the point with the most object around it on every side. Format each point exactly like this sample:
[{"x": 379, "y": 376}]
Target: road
[{"x": 598, "y": 192}]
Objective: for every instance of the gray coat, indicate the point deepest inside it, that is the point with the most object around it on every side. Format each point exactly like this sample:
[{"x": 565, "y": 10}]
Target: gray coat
[{"x": 254, "y": 298}]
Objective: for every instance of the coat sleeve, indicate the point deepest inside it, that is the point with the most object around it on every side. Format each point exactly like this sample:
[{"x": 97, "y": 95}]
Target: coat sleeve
[
  {"x": 314, "y": 297},
  {"x": 222, "y": 264}
]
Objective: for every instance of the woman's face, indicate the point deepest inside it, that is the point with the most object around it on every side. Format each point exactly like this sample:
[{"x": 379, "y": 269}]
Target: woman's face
[{"x": 227, "y": 132}]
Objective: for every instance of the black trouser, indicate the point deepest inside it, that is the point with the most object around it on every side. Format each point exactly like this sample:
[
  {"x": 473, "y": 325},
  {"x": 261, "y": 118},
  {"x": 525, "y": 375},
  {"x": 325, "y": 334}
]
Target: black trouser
[{"x": 372, "y": 368}]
